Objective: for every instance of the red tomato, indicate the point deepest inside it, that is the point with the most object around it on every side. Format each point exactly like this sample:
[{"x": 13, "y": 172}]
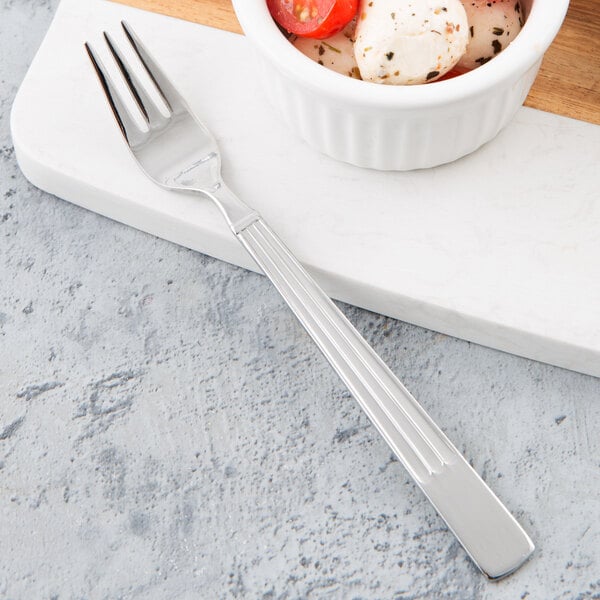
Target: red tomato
[
  {"x": 317, "y": 19},
  {"x": 450, "y": 75}
]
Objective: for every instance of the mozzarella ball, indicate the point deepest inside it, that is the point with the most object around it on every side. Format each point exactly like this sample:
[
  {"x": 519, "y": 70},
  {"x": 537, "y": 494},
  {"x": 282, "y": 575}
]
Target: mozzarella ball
[
  {"x": 335, "y": 53},
  {"x": 404, "y": 42},
  {"x": 493, "y": 24}
]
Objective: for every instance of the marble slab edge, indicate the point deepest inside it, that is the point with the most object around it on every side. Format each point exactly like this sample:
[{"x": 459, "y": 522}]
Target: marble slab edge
[{"x": 195, "y": 234}]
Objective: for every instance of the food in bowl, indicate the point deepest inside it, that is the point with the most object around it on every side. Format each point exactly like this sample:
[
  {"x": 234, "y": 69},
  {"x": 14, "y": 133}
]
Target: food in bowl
[
  {"x": 399, "y": 42},
  {"x": 335, "y": 53},
  {"x": 493, "y": 25},
  {"x": 397, "y": 127},
  {"x": 313, "y": 18},
  {"x": 406, "y": 42}
]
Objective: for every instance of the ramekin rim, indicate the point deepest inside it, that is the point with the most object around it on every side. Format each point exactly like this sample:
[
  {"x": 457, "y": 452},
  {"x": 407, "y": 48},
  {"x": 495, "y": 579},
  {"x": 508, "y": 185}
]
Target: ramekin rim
[{"x": 526, "y": 49}]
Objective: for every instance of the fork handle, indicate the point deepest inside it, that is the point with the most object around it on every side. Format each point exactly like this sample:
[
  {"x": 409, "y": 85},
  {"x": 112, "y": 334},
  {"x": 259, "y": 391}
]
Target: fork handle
[{"x": 488, "y": 532}]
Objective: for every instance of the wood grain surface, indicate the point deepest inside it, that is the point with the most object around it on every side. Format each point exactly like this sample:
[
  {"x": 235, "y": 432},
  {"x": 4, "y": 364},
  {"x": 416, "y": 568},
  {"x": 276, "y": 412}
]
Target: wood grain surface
[{"x": 568, "y": 83}]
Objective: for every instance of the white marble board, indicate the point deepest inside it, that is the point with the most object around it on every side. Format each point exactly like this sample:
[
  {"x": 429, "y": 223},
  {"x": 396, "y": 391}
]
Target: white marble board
[{"x": 501, "y": 248}]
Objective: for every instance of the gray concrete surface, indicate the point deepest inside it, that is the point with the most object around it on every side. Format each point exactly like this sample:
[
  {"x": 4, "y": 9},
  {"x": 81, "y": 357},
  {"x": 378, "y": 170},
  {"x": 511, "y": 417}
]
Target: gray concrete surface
[{"x": 168, "y": 431}]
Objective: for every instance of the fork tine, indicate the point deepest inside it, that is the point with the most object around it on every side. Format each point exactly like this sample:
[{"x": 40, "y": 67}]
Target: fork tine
[
  {"x": 129, "y": 128},
  {"x": 170, "y": 95},
  {"x": 145, "y": 103}
]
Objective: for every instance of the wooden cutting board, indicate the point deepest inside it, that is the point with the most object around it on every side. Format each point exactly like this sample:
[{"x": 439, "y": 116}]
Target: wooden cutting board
[{"x": 568, "y": 83}]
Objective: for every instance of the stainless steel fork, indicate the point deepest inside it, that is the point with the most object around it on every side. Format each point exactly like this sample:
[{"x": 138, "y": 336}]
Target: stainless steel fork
[{"x": 178, "y": 153}]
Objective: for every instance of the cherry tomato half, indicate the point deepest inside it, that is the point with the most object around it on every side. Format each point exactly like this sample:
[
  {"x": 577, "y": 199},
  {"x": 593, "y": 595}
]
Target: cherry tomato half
[
  {"x": 450, "y": 75},
  {"x": 317, "y": 19}
]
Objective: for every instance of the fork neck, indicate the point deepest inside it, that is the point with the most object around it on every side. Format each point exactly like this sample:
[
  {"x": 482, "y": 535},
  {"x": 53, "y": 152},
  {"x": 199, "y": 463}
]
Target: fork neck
[{"x": 237, "y": 214}]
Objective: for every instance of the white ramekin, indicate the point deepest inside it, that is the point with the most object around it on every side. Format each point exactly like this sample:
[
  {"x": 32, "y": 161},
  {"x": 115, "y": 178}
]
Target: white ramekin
[{"x": 398, "y": 127}]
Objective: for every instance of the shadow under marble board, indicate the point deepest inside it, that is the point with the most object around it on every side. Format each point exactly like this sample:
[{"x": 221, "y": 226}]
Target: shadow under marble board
[{"x": 500, "y": 248}]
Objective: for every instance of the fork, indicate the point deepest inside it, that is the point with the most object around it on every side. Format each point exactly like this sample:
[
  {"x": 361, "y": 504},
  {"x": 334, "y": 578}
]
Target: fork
[{"x": 176, "y": 151}]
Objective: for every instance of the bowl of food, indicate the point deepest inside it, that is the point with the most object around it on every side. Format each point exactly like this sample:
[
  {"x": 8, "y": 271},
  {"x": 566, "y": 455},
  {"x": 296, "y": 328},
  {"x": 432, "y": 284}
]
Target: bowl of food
[{"x": 399, "y": 84}]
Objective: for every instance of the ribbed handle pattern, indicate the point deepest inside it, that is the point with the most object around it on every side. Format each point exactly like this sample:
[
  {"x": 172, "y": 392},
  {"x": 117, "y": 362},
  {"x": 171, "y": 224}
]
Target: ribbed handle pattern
[
  {"x": 482, "y": 524},
  {"x": 412, "y": 435}
]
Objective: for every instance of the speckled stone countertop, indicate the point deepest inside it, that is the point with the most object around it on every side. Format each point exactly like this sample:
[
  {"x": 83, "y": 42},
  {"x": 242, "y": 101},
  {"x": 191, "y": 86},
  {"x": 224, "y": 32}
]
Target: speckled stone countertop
[{"x": 167, "y": 430}]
